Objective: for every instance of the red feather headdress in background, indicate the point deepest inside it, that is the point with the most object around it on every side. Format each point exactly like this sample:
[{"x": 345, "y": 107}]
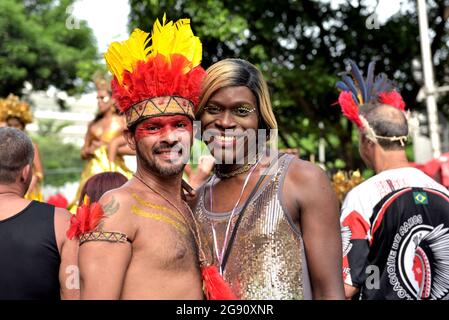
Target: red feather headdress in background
[{"x": 358, "y": 91}]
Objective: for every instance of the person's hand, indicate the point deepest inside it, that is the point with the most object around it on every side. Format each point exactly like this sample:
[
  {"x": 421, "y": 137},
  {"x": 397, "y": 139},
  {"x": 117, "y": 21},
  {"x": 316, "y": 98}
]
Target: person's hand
[
  {"x": 88, "y": 152},
  {"x": 188, "y": 193},
  {"x": 206, "y": 164},
  {"x": 112, "y": 149}
]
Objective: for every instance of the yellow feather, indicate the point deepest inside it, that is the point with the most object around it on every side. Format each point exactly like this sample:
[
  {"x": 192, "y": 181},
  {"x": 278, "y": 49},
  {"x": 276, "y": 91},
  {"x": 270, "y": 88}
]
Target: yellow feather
[
  {"x": 166, "y": 39},
  {"x": 124, "y": 55},
  {"x": 178, "y": 38}
]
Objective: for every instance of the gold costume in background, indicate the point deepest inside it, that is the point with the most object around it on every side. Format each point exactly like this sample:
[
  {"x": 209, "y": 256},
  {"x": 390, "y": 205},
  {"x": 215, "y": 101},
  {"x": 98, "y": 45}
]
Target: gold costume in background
[
  {"x": 36, "y": 193},
  {"x": 99, "y": 162},
  {"x": 17, "y": 114},
  {"x": 343, "y": 182}
]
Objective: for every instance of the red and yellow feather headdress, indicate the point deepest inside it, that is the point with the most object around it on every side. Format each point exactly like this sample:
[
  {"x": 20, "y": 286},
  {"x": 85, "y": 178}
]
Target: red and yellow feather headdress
[{"x": 157, "y": 74}]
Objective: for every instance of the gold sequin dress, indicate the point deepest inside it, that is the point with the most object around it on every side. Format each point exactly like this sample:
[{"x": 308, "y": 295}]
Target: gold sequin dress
[
  {"x": 267, "y": 261},
  {"x": 35, "y": 194}
]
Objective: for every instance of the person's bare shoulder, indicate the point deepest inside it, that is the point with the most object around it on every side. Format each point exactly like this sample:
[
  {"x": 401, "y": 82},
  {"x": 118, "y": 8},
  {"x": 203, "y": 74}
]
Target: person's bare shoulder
[
  {"x": 116, "y": 205},
  {"x": 62, "y": 224},
  {"x": 115, "y": 201},
  {"x": 62, "y": 215},
  {"x": 305, "y": 171},
  {"x": 306, "y": 180}
]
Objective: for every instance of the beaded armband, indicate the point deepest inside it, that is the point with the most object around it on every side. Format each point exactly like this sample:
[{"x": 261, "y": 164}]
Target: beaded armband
[{"x": 104, "y": 236}]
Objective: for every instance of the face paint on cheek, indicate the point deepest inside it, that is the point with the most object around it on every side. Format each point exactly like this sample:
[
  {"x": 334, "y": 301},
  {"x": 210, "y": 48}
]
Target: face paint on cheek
[{"x": 156, "y": 127}]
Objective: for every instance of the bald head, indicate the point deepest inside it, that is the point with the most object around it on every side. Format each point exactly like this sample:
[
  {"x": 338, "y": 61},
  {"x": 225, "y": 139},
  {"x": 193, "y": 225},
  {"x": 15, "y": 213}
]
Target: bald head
[{"x": 386, "y": 121}]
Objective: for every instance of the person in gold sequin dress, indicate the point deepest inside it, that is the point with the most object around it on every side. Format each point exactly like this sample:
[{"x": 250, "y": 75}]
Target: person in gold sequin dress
[
  {"x": 17, "y": 114},
  {"x": 106, "y": 128},
  {"x": 287, "y": 244}
]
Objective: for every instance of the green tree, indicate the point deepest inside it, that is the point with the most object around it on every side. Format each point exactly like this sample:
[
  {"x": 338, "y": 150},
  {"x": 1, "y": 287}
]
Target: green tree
[
  {"x": 41, "y": 44},
  {"x": 301, "y": 46},
  {"x": 62, "y": 162}
]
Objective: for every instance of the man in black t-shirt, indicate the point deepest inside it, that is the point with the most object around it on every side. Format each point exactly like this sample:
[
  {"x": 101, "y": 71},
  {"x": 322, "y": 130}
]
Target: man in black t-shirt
[{"x": 37, "y": 260}]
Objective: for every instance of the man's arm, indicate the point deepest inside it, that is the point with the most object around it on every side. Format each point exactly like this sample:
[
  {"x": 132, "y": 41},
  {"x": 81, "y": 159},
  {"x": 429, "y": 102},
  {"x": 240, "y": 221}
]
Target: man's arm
[
  {"x": 350, "y": 291},
  {"x": 103, "y": 264},
  {"x": 89, "y": 145},
  {"x": 320, "y": 227},
  {"x": 203, "y": 171},
  {"x": 355, "y": 229},
  {"x": 68, "y": 250}
]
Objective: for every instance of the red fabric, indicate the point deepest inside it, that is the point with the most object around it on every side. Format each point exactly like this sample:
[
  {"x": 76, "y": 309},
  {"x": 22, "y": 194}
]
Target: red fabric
[
  {"x": 349, "y": 108},
  {"x": 58, "y": 200},
  {"x": 86, "y": 219},
  {"x": 392, "y": 98},
  {"x": 359, "y": 227},
  {"x": 432, "y": 167},
  {"x": 437, "y": 168},
  {"x": 445, "y": 174},
  {"x": 158, "y": 77},
  {"x": 215, "y": 286}
]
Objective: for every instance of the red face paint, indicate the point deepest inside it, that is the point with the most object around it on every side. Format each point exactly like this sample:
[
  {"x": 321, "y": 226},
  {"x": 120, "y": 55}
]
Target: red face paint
[{"x": 159, "y": 126}]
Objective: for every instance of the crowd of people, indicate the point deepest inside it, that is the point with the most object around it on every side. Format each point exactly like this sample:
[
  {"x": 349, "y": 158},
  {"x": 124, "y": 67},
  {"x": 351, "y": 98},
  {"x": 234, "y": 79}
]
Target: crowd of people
[{"x": 255, "y": 223}]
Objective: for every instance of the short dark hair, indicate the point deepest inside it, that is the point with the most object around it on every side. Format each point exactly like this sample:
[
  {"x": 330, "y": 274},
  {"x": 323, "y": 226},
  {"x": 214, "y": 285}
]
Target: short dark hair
[
  {"x": 16, "y": 151},
  {"x": 386, "y": 121},
  {"x": 100, "y": 183}
]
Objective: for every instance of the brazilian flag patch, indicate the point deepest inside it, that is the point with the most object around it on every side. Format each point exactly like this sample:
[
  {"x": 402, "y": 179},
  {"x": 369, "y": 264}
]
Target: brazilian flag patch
[{"x": 420, "y": 198}]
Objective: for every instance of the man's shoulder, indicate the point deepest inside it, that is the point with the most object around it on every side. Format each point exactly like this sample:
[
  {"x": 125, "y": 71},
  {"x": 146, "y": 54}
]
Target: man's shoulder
[
  {"x": 370, "y": 183},
  {"x": 62, "y": 214},
  {"x": 363, "y": 187},
  {"x": 361, "y": 198},
  {"x": 125, "y": 199},
  {"x": 117, "y": 200}
]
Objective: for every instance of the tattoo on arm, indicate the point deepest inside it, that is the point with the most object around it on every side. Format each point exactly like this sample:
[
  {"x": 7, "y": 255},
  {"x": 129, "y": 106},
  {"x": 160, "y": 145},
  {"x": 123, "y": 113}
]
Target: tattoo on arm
[
  {"x": 108, "y": 209},
  {"x": 111, "y": 207}
]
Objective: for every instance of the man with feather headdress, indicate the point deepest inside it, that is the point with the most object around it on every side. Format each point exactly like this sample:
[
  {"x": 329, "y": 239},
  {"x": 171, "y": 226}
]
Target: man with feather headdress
[
  {"x": 395, "y": 225},
  {"x": 141, "y": 240}
]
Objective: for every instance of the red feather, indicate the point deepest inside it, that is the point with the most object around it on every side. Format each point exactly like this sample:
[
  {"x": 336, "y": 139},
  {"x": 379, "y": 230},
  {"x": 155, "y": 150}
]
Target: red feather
[
  {"x": 216, "y": 287},
  {"x": 392, "y": 98},
  {"x": 159, "y": 77},
  {"x": 349, "y": 108},
  {"x": 58, "y": 200},
  {"x": 86, "y": 219}
]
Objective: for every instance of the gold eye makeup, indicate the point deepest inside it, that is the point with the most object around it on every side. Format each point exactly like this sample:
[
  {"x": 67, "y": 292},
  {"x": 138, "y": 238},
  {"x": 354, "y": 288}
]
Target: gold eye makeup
[{"x": 243, "y": 110}]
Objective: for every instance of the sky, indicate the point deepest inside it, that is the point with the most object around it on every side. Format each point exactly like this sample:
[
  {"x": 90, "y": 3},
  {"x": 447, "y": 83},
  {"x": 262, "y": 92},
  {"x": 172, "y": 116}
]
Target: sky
[{"x": 108, "y": 19}]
